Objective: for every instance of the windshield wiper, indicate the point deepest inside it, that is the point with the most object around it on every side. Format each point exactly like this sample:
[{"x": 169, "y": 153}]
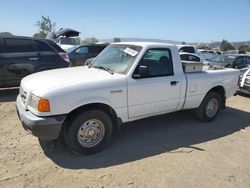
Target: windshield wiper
[{"x": 103, "y": 68}]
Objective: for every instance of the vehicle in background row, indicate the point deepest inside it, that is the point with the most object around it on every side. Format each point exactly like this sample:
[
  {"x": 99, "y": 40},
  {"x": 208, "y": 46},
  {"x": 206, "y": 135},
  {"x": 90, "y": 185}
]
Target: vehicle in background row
[
  {"x": 187, "y": 48},
  {"x": 245, "y": 82},
  {"x": 207, "y": 54},
  {"x": 126, "y": 82},
  {"x": 21, "y": 56},
  {"x": 236, "y": 61},
  {"x": 191, "y": 57},
  {"x": 79, "y": 54},
  {"x": 234, "y": 52},
  {"x": 65, "y": 38}
]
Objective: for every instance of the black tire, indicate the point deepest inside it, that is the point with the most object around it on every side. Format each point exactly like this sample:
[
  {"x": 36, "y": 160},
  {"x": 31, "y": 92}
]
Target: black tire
[
  {"x": 77, "y": 133},
  {"x": 202, "y": 113}
]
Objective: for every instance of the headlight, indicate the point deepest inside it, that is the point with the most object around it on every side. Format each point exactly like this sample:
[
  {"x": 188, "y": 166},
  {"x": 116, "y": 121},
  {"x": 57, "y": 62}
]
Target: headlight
[
  {"x": 34, "y": 101},
  {"x": 40, "y": 104}
]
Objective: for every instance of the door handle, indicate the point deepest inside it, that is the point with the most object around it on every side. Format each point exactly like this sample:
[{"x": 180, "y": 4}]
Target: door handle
[
  {"x": 33, "y": 58},
  {"x": 174, "y": 82}
]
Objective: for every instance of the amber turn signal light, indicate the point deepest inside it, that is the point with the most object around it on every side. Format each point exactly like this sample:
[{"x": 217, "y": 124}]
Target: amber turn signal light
[{"x": 43, "y": 105}]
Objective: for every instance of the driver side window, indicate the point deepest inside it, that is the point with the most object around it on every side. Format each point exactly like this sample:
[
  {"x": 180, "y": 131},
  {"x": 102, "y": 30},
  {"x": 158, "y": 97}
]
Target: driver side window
[{"x": 158, "y": 61}]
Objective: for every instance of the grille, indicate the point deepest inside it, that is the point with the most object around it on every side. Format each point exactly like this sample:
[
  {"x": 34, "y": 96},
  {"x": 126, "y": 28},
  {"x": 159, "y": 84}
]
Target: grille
[{"x": 23, "y": 95}]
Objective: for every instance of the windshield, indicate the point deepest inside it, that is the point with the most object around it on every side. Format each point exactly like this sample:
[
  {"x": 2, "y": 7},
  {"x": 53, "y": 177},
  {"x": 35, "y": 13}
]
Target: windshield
[
  {"x": 117, "y": 58},
  {"x": 68, "y": 41},
  {"x": 222, "y": 59}
]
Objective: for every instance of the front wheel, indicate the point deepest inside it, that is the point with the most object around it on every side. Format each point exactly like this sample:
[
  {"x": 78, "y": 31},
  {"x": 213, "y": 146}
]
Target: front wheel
[
  {"x": 88, "y": 132},
  {"x": 209, "y": 108}
]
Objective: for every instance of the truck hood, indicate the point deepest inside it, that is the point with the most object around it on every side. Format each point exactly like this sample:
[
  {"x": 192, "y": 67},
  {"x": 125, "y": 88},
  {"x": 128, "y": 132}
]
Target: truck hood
[{"x": 42, "y": 83}]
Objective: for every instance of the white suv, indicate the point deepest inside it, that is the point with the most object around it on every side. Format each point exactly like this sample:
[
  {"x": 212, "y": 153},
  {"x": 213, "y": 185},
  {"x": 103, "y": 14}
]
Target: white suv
[{"x": 207, "y": 54}]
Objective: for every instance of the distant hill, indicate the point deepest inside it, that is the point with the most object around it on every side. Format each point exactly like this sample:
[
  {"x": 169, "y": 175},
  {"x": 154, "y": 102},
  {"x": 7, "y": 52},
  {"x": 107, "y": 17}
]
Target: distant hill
[
  {"x": 5, "y": 34},
  {"x": 211, "y": 45},
  {"x": 235, "y": 44},
  {"x": 141, "y": 40}
]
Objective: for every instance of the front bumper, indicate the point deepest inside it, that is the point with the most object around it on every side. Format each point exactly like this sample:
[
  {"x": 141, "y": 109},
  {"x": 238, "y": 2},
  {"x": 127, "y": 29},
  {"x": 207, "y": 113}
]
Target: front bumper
[{"x": 41, "y": 127}]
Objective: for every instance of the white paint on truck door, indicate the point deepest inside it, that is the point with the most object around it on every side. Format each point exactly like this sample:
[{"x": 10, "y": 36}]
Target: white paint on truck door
[{"x": 157, "y": 93}]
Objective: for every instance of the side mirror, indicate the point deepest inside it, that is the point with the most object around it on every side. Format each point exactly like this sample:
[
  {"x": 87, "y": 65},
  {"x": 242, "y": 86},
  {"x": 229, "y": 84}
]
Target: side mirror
[
  {"x": 89, "y": 61},
  {"x": 142, "y": 72}
]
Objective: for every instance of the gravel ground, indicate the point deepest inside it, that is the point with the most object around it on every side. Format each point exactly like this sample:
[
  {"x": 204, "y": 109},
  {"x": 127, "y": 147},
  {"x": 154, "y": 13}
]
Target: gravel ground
[{"x": 173, "y": 150}]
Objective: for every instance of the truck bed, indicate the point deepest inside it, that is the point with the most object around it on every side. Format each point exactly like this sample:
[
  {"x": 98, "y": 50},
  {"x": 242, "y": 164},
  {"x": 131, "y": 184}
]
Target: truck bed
[{"x": 199, "y": 83}]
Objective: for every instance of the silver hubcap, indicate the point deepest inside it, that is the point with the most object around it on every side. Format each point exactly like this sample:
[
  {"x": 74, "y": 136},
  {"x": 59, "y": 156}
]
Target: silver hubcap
[
  {"x": 212, "y": 107},
  {"x": 91, "y": 133}
]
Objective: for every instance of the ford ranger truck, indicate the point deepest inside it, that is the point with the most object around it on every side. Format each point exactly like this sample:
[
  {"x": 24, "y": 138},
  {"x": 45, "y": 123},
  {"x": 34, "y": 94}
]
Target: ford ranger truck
[{"x": 126, "y": 82}]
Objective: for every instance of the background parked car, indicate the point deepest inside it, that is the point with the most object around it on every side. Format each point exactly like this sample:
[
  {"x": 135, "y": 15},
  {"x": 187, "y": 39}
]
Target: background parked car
[
  {"x": 234, "y": 52},
  {"x": 231, "y": 60},
  {"x": 191, "y": 57},
  {"x": 187, "y": 48},
  {"x": 79, "y": 54},
  {"x": 65, "y": 38},
  {"x": 207, "y": 54},
  {"x": 245, "y": 82},
  {"x": 21, "y": 56}
]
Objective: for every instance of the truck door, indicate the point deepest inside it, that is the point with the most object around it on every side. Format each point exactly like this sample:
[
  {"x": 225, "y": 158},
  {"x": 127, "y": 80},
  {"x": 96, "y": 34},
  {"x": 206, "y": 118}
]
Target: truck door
[
  {"x": 19, "y": 60},
  {"x": 159, "y": 91}
]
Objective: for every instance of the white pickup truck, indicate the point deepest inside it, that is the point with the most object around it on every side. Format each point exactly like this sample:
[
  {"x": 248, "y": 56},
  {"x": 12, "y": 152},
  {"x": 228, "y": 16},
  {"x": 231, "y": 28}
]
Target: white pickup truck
[{"x": 126, "y": 82}]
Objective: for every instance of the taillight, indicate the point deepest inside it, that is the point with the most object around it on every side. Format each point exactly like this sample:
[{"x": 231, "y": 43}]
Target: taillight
[{"x": 65, "y": 56}]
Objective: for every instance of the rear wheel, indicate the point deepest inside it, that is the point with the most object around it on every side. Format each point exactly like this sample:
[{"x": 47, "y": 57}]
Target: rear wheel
[
  {"x": 209, "y": 108},
  {"x": 88, "y": 132}
]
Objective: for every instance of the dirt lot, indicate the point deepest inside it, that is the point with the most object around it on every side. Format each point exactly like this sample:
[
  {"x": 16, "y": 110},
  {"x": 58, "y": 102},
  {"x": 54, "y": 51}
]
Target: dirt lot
[{"x": 173, "y": 150}]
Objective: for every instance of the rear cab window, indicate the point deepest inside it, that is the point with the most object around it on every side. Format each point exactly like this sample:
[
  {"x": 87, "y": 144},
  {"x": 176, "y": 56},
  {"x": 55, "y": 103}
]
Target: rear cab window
[
  {"x": 193, "y": 58},
  {"x": 240, "y": 60},
  {"x": 248, "y": 60}
]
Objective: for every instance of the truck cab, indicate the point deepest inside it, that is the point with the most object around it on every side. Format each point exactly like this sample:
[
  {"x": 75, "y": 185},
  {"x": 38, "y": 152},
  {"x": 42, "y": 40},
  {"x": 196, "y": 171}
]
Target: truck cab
[{"x": 126, "y": 82}]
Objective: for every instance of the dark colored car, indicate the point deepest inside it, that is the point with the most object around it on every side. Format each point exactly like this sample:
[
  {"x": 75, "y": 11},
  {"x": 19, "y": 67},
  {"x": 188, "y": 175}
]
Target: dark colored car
[
  {"x": 21, "y": 56},
  {"x": 245, "y": 82},
  {"x": 79, "y": 54},
  {"x": 231, "y": 60}
]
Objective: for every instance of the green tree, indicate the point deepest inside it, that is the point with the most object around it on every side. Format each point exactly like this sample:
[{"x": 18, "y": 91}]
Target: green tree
[
  {"x": 117, "y": 39},
  {"x": 5, "y": 34},
  {"x": 91, "y": 40},
  {"x": 183, "y": 43},
  {"x": 225, "y": 45},
  {"x": 45, "y": 25},
  {"x": 204, "y": 47},
  {"x": 244, "y": 47}
]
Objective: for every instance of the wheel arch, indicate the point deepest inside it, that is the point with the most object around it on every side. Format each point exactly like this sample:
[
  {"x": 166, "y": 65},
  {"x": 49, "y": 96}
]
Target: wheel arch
[
  {"x": 221, "y": 91},
  {"x": 93, "y": 106}
]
